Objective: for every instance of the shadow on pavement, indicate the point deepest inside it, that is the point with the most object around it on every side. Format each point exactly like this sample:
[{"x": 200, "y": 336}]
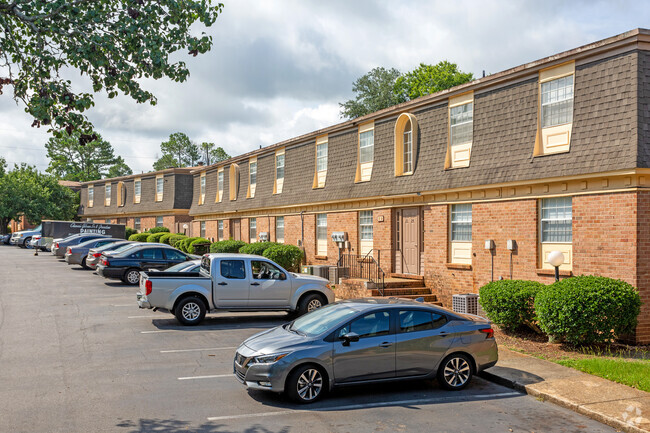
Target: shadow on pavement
[
  {"x": 222, "y": 321},
  {"x": 177, "y": 426}
]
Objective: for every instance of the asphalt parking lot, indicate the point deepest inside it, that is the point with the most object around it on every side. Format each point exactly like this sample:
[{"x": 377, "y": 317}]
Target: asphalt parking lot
[{"x": 77, "y": 355}]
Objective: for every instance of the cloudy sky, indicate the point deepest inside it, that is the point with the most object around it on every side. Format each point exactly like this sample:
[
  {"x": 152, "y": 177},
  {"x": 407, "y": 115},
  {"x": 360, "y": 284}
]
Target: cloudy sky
[{"x": 279, "y": 69}]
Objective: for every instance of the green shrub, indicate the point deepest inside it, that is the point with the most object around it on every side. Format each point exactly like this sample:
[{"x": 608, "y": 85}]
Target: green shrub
[
  {"x": 128, "y": 231},
  {"x": 510, "y": 303},
  {"x": 256, "y": 248},
  {"x": 287, "y": 256},
  {"x": 229, "y": 246},
  {"x": 164, "y": 239},
  {"x": 158, "y": 230},
  {"x": 175, "y": 239},
  {"x": 588, "y": 309},
  {"x": 184, "y": 244},
  {"x": 139, "y": 237},
  {"x": 197, "y": 246},
  {"x": 155, "y": 237}
]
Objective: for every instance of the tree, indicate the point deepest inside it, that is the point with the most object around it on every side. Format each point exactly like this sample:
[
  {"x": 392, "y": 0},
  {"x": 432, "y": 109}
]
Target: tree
[
  {"x": 213, "y": 154},
  {"x": 375, "y": 91},
  {"x": 381, "y": 88},
  {"x": 115, "y": 43},
  {"x": 119, "y": 168},
  {"x": 70, "y": 160},
  {"x": 26, "y": 192},
  {"x": 427, "y": 79},
  {"x": 180, "y": 149}
]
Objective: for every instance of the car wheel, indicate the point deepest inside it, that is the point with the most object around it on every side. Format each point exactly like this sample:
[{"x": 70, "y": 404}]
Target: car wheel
[
  {"x": 83, "y": 263},
  {"x": 306, "y": 384},
  {"x": 310, "y": 303},
  {"x": 455, "y": 372},
  {"x": 26, "y": 242},
  {"x": 190, "y": 311},
  {"x": 132, "y": 276}
]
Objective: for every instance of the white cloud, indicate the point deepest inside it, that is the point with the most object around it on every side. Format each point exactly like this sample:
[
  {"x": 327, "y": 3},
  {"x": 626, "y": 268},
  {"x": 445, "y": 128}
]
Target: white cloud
[{"x": 279, "y": 69}]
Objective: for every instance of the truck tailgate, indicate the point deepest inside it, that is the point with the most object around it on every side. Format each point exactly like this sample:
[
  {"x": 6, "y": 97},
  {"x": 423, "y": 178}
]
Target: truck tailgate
[{"x": 159, "y": 289}]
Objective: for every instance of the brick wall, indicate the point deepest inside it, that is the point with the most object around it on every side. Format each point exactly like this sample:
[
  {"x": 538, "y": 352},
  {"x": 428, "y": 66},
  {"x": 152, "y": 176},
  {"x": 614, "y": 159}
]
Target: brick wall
[{"x": 643, "y": 265}]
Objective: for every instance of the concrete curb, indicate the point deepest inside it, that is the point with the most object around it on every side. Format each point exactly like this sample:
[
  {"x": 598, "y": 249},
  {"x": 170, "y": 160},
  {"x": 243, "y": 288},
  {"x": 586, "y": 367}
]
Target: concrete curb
[{"x": 581, "y": 409}]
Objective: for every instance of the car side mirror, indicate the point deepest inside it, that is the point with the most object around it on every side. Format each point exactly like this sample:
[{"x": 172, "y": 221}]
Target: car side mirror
[{"x": 350, "y": 337}]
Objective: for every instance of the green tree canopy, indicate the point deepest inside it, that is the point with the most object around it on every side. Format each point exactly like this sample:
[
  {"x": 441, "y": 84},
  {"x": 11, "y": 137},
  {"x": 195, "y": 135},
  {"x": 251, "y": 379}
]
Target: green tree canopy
[
  {"x": 119, "y": 168},
  {"x": 427, "y": 79},
  {"x": 70, "y": 160},
  {"x": 37, "y": 196},
  {"x": 115, "y": 43},
  {"x": 374, "y": 91},
  {"x": 212, "y": 154},
  {"x": 179, "y": 150},
  {"x": 382, "y": 88}
]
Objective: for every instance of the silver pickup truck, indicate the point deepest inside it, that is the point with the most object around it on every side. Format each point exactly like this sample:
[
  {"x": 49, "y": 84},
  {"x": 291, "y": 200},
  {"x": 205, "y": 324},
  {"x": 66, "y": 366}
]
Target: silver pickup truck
[{"x": 232, "y": 282}]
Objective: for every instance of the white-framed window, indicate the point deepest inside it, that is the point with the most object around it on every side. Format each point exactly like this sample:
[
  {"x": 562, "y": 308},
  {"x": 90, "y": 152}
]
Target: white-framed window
[
  {"x": 321, "y": 234},
  {"x": 160, "y": 187},
  {"x": 202, "y": 189},
  {"x": 407, "y": 139},
  {"x": 321, "y": 157},
  {"x": 252, "y": 178},
  {"x": 461, "y": 222},
  {"x": 253, "y": 173},
  {"x": 557, "y": 101},
  {"x": 365, "y": 223},
  {"x": 220, "y": 230},
  {"x": 137, "y": 190},
  {"x": 279, "y": 166},
  {"x": 91, "y": 195},
  {"x": 252, "y": 229},
  {"x": 556, "y": 217},
  {"x": 159, "y": 221},
  {"x": 107, "y": 196},
  {"x": 279, "y": 229},
  {"x": 220, "y": 184},
  {"x": 202, "y": 229},
  {"x": 136, "y": 223},
  {"x": 107, "y": 221},
  {"x": 461, "y": 124},
  {"x": 366, "y": 146}
]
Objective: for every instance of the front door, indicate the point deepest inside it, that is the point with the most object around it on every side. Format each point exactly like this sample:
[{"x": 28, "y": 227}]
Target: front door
[
  {"x": 270, "y": 286},
  {"x": 411, "y": 240},
  {"x": 372, "y": 357},
  {"x": 235, "y": 229}
]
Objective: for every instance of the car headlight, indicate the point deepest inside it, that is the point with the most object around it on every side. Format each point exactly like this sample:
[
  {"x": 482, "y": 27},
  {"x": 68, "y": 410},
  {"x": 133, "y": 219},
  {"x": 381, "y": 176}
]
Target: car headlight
[{"x": 269, "y": 359}]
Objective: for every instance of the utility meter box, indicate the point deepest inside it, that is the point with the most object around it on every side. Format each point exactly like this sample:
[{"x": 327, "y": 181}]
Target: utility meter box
[
  {"x": 264, "y": 236},
  {"x": 339, "y": 237}
]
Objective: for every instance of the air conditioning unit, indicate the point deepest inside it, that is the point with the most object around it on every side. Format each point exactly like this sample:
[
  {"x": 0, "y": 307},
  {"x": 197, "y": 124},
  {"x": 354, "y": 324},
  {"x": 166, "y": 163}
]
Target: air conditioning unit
[
  {"x": 466, "y": 303},
  {"x": 334, "y": 274},
  {"x": 321, "y": 271}
]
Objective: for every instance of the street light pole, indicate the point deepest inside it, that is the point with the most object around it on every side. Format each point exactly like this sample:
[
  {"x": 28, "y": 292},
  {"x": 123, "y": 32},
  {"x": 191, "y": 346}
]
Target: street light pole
[{"x": 556, "y": 259}]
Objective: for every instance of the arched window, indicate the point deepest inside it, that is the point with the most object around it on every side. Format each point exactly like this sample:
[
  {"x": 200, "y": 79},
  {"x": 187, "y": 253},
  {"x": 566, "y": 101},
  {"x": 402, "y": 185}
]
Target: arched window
[{"x": 406, "y": 138}]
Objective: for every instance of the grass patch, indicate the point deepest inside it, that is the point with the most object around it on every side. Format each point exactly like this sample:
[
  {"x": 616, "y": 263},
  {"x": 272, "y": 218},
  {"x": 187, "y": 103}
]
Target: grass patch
[{"x": 632, "y": 373}]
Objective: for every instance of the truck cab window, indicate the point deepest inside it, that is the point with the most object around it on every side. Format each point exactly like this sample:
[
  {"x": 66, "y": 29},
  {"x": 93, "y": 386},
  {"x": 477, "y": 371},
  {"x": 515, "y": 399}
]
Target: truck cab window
[
  {"x": 265, "y": 271},
  {"x": 233, "y": 269}
]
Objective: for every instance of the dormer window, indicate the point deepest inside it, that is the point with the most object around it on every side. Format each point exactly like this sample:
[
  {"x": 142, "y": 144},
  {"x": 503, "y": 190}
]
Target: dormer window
[{"x": 405, "y": 144}]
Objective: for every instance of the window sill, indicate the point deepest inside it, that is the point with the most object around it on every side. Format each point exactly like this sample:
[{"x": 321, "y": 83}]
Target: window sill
[
  {"x": 320, "y": 257},
  {"x": 551, "y": 272},
  {"x": 460, "y": 266},
  {"x": 410, "y": 173}
]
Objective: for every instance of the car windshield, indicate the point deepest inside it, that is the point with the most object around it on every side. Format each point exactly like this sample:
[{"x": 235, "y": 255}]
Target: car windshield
[{"x": 321, "y": 320}]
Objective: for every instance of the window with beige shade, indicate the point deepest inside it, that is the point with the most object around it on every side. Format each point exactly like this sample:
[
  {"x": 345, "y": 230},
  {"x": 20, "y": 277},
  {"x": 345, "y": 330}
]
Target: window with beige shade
[
  {"x": 137, "y": 190},
  {"x": 252, "y": 178},
  {"x": 555, "y": 113},
  {"x": 220, "y": 230},
  {"x": 366, "y": 153},
  {"x": 233, "y": 180},
  {"x": 461, "y": 131},
  {"x": 121, "y": 194},
  {"x": 107, "y": 194},
  {"x": 252, "y": 229},
  {"x": 365, "y": 232},
  {"x": 321, "y": 162},
  {"x": 321, "y": 234},
  {"x": 279, "y": 229},
  {"x": 219, "y": 185},
  {"x": 160, "y": 221},
  {"x": 202, "y": 189},
  {"x": 461, "y": 234},
  {"x": 406, "y": 137},
  {"x": 279, "y": 172},
  {"x": 91, "y": 195},
  {"x": 556, "y": 230},
  {"x": 160, "y": 187}
]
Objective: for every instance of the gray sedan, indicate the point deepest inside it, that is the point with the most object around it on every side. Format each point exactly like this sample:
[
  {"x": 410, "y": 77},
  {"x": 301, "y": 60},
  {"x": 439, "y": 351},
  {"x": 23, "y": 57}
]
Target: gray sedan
[
  {"x": 366, "y": 340},
  {"x": 95, "y": 254},
  {"x": 78, "y": 254}
]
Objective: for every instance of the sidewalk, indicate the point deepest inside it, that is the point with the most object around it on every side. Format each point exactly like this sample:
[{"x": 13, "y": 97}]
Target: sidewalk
[{"x": 622, "y": 407}]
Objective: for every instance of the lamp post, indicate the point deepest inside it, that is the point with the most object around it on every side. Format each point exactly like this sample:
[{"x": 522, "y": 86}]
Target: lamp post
[
  {"x": 556, "y": 258},
  {"x": 185, "y": 226}
]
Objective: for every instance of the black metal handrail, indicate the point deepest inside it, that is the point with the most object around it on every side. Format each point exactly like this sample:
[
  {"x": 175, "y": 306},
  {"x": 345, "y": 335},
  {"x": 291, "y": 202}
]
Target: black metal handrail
[{"x": 363, "y": 267}]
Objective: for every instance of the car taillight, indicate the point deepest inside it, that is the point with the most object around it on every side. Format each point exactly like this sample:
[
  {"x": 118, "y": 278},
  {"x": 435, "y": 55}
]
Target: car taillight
[
  {"x": 97, "y": 254},
  {"x": 489, "y": 332},
  {"x": 69, "y": 250},
  {"x": 105, "y": 261},
  {"x": 56, "y": 245},
  {"x": 149, "y": 287}
]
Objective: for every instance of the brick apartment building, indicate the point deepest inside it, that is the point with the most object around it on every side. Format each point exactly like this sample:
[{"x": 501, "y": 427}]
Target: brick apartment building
[
  {"x": 552, "y": 154},
  {"x": 141, "y": 201}
]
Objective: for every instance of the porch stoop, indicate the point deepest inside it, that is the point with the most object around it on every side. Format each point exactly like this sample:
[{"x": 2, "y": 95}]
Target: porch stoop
[{"x": 397, "y": 287}]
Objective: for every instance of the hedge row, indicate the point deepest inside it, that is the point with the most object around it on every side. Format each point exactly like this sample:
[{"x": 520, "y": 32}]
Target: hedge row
[{"x": 578, "y": 310}]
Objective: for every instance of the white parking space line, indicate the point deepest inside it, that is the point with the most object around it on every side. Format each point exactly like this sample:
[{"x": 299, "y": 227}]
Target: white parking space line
[
  {"x": 369, "y": 405},
  {"x": 142, "y": 317},
  {"x": 197, "y": 350},
  {"x": 133, "y": 304},
  {"x": 214, "y": 376},
  {"x": 160, "y": 331}
]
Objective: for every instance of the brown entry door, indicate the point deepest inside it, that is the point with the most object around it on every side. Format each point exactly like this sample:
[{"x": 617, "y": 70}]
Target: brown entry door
[
  {"x": 411, "y": 241},
  {"x": 235, "y": 229}
]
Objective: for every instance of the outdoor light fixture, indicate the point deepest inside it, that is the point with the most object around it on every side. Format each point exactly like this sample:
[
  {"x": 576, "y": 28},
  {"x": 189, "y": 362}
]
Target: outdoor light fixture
[{"x": 556, "y": 258}]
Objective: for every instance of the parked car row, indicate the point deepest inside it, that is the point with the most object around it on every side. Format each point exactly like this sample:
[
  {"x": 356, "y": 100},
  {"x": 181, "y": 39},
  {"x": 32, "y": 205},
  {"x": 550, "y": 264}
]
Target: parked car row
[{"x": 330, "y": 344}]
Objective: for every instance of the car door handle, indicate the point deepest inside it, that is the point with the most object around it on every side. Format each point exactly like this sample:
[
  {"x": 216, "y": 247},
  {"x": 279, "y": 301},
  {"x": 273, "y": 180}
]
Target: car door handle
[
  {"x": 443, "y": 334},
  {"x": 222, "y": 284},
  {"x": 386, "y": 344},
  {"x": 255, "y": 284}
]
